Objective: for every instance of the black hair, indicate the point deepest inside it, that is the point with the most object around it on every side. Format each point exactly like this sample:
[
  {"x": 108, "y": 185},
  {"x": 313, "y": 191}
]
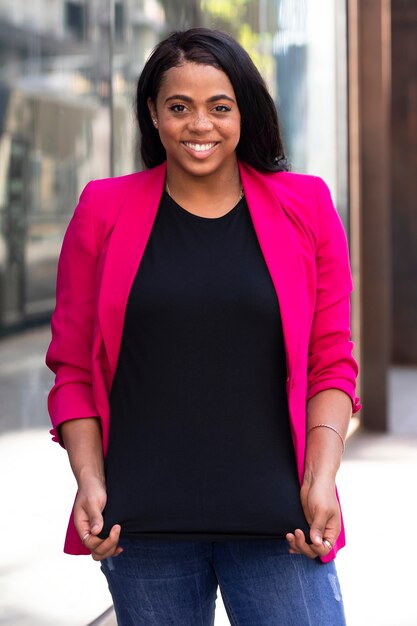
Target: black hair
[{"x": 260, "y": 142}]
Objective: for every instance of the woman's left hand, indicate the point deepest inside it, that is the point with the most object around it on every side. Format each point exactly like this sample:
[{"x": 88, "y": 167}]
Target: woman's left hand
[{"x": 322, "y": 511}]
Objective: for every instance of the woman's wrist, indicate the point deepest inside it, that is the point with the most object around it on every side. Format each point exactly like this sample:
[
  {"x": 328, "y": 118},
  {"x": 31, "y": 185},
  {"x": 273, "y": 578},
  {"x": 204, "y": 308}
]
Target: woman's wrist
[
  {"x": 323, "y": 475},
  {"x": 90, "y": 476},
  {"x": 323, "y": 456},
  {"x": 82, "y": 439}
]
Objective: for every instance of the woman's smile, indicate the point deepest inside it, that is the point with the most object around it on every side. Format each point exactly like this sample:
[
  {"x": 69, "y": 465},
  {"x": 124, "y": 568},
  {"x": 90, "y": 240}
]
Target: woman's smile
[{"x": 200, "y": 150}]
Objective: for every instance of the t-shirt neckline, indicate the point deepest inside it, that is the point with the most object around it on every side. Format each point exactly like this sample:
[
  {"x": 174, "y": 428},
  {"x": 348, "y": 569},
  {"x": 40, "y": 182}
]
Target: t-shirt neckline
[{"x": 203, "y": 218}]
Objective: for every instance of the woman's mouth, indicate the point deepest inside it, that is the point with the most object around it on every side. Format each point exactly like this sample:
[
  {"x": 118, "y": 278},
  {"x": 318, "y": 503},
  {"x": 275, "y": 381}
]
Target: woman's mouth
[{"x": 200, "y": 148}]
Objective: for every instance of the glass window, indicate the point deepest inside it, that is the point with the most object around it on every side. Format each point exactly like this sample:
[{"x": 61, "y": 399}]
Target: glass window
[
  {"x": 75, "y": 19},
  {"x": 54, "y": 137}
]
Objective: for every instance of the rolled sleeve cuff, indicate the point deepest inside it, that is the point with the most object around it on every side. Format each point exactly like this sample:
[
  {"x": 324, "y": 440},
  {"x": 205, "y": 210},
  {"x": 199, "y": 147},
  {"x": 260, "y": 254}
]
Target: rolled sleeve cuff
[
  {"x": 342, "y": 385},
  {"x": 70, "y": 401}
]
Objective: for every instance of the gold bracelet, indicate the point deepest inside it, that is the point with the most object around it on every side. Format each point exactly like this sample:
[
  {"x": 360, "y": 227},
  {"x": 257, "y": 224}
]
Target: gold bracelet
[{"x": 331, "y": 428}]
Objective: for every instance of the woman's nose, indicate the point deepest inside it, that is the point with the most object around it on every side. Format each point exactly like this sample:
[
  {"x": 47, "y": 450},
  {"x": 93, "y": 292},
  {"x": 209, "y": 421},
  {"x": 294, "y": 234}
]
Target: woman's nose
[{"x": 201, "y": 121}]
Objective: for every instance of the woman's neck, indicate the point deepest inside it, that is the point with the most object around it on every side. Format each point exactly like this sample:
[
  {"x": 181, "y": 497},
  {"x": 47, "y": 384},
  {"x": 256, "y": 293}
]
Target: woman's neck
[{"x": 208, "y": 196}]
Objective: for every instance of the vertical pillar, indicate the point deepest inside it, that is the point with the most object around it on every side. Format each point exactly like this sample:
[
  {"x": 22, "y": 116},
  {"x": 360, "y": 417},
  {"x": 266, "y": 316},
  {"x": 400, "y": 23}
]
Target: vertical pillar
[
  {"x": 369, "y": 29},
  {"x": 404, "y": 181}
]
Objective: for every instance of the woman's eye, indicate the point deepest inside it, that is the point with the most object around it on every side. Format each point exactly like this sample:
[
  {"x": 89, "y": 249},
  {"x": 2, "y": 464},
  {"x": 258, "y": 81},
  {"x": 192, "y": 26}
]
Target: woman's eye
[
  {"x": 177, "y": 108},
  {"x": 222, "y": 108}
]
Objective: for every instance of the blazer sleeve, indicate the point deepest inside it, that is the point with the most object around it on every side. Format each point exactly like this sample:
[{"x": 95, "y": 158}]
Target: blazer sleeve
[
  {"x": 330, "y": 359},
  {"x": 69, "y": 352}
]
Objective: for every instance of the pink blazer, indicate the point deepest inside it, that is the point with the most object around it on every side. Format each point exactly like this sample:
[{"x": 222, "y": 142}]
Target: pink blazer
[{"x": 305, "y": 249}]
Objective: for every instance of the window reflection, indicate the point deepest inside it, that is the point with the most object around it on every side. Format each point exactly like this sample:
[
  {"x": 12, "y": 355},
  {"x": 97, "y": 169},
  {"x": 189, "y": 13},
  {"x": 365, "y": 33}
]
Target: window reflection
[{"x": 67, "y": 114}]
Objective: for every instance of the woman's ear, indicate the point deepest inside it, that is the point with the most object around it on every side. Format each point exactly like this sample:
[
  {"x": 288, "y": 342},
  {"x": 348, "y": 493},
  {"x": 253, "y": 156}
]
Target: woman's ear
[{"x": 152, "y": 111}]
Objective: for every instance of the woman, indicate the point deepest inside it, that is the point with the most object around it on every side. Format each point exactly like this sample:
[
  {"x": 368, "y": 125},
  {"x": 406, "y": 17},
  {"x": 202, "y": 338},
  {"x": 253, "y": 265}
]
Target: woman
[{"x": 201, "y": 332}]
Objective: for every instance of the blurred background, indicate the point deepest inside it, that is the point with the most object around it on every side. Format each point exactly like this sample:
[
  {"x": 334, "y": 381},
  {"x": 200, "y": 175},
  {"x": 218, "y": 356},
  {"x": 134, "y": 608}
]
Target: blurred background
[{"x": 343, "y": 74}]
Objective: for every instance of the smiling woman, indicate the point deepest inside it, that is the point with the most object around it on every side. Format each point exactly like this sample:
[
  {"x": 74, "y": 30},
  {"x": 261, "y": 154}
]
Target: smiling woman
[
  {"x": 260, "y": 142},
  {"x": 205, "y": 398}
]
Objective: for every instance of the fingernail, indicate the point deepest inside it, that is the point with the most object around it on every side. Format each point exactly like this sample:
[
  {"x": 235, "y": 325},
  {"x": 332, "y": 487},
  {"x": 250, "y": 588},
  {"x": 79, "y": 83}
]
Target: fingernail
[
  {"x": 318, "y": 539},
  {"x": 94, "y": 528}
]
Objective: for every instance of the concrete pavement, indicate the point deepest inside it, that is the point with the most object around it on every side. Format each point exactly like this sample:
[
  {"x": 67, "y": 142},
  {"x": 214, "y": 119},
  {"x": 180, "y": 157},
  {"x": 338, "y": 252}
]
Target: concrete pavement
[{"x": 40, "y": 586}]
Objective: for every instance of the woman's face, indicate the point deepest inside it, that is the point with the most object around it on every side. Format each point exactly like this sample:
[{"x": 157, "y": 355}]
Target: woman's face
[{"x": 198, "y": 119}]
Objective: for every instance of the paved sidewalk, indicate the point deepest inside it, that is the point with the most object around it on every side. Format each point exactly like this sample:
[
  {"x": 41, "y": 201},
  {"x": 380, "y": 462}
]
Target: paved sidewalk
[
  {"x": 40, "y": 586},
  {"x": 377, "y": 483}
]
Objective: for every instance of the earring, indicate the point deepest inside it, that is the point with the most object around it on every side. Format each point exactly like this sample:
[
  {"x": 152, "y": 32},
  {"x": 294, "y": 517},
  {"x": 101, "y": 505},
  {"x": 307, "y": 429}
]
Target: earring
[{"x": 155, "y": 122}]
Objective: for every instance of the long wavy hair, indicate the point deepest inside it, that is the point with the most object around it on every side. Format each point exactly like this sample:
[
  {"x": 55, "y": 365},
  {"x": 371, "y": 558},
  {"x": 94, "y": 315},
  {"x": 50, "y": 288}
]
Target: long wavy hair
[{"x": 260, "y": 142}]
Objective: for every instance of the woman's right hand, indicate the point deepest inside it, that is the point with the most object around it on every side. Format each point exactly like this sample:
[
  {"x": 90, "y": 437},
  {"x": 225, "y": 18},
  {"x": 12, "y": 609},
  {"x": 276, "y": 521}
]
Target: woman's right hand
[{"x": 88, "y": 518}]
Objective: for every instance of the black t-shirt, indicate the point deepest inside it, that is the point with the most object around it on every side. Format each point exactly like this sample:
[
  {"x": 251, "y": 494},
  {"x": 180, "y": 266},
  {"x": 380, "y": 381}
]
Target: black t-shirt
[{"x": 200, "y": 444}]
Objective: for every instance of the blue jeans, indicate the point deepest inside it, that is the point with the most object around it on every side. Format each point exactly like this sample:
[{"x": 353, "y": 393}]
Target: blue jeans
[{"x": 159, "y": 582}]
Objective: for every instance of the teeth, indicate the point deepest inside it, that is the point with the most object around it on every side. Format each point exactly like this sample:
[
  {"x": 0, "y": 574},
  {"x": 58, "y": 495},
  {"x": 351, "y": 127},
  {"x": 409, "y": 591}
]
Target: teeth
[{"x": 199, "y": 147}]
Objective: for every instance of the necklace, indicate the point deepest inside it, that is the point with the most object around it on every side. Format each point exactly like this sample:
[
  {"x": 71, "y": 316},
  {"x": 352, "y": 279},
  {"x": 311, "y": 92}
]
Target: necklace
[{"x": 241, "y": 192}]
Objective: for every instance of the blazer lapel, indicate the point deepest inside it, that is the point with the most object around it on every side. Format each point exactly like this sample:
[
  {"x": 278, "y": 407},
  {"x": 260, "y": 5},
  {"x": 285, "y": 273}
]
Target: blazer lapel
[
  {"x": 277, "y": 244},
  {"x": 126, "y": 247}
]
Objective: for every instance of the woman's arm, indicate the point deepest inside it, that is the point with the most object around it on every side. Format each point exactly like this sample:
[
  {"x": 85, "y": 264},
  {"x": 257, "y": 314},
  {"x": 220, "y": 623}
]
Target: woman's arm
[
  {"x": 323, "y": 455},
  {"x": 71, "y": 400},
  {"x": 72, "y": 324},
  {"x": 82, "y": 440},
  {"x": 331, "y": 378}
]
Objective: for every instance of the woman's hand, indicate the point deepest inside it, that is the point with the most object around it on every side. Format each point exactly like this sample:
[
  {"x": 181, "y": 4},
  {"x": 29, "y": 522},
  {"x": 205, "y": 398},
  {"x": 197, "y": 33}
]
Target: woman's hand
[
  {"x": 322, "y": 511},
  {"x": 88, "y": 518}
]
